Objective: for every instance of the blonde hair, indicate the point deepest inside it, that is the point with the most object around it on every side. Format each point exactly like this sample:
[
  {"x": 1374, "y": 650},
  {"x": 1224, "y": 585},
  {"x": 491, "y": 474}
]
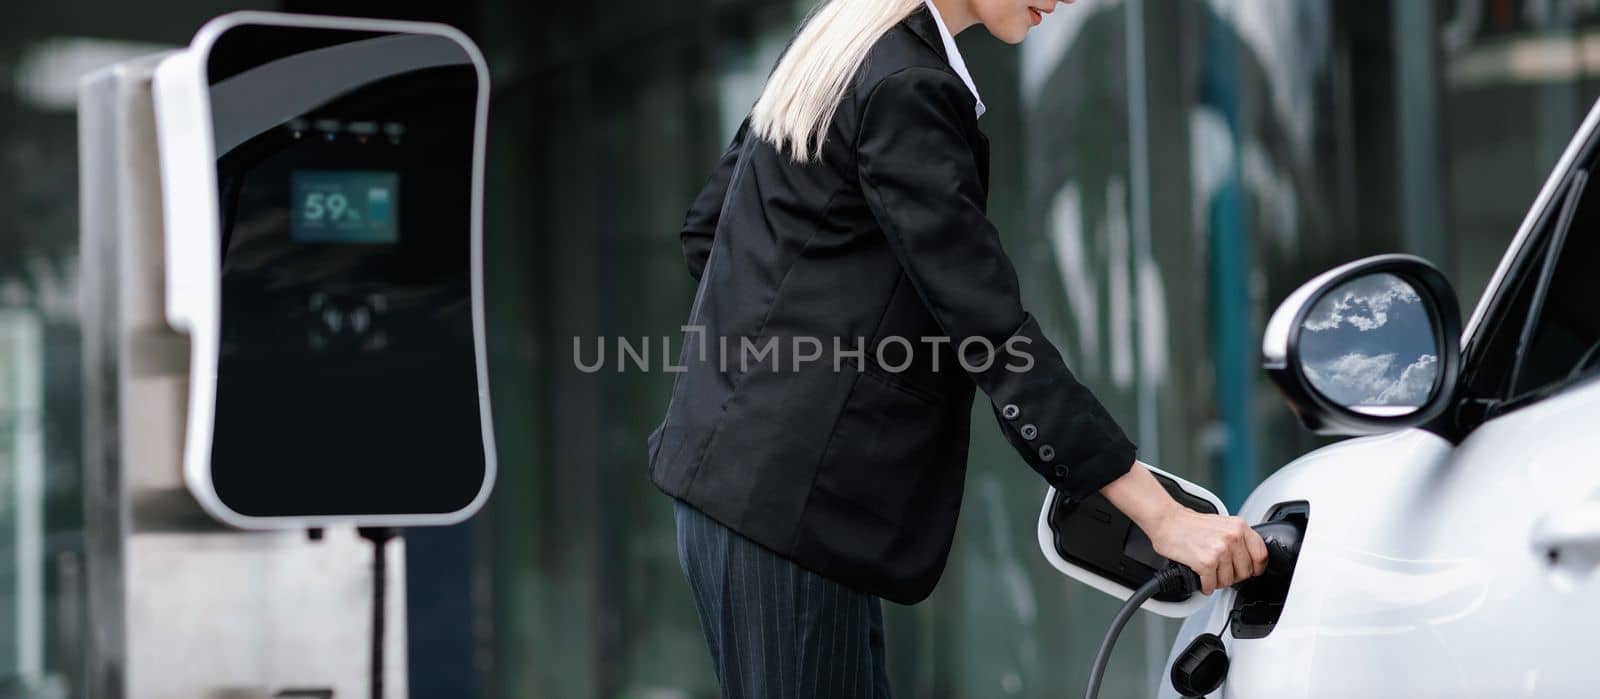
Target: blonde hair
[{"x": 805, "y": 88}]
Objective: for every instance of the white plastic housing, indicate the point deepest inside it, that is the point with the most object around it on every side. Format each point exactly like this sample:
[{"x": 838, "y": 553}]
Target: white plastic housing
[{"x": 1176, "y": 610}]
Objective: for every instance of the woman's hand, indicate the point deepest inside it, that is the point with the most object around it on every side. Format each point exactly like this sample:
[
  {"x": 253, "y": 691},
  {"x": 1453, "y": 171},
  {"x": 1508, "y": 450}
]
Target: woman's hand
[{"x": 1221, "y": 550}]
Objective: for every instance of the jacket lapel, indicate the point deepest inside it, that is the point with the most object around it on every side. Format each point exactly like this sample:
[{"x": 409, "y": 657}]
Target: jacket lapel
[
  {"x": 921, "y": 23},
  {"x": 981, "y": 154}
]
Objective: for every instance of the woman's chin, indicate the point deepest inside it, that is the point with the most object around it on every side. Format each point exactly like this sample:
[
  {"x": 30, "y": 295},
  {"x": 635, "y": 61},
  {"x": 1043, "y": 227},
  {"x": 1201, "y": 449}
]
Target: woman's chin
[{"x": 1010, "y": 35}]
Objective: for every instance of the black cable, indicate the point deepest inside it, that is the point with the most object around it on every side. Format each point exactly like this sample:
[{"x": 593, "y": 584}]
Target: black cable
[
  {"x": 1172, "y": 579},
  {"x": 1282, "y": 539},
  {"x": 379, "y": 536},
  {"x": 1103, "y": 656}
]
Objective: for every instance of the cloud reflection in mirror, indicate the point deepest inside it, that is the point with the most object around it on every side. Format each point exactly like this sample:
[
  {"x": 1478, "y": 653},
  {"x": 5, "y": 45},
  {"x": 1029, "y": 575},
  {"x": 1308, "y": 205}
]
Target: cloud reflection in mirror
[{"x": 1369, "y": 345}]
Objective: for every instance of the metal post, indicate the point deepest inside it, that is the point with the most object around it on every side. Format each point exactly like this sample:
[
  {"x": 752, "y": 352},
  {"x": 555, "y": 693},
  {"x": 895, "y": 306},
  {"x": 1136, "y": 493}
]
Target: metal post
[
  {"x": 1416, "y": 81},
  {"x": 1233, "y": 342},
  {"x": 1148, "y": 430}
]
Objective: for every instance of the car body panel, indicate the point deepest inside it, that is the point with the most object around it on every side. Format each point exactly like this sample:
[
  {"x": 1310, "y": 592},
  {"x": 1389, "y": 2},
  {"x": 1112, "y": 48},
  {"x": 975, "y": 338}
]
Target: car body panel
[{"x": 1418, "y": 574}]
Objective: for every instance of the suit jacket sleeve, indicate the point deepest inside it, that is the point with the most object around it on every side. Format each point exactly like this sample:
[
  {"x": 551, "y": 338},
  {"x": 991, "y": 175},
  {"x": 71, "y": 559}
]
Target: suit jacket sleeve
[
  {"x": 700, "y": 223},
  {"x": 920, "y": 177}
]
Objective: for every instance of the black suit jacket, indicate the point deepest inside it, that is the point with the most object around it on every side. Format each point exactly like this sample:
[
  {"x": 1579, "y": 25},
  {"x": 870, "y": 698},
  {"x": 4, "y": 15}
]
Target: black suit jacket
[{"x": 854, "y": 472}]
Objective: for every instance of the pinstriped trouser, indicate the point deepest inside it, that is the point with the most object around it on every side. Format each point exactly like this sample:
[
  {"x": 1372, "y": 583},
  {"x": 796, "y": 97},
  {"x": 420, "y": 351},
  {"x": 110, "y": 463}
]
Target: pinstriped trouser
[{"x": 775, "y": 629}]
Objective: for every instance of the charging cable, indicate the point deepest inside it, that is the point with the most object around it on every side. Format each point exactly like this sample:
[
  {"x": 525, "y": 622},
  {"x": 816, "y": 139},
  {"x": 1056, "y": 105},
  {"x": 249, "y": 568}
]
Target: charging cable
[
  {"x": 1175, "y": 579},
  {"x": 379, "y": 536},
  {"x": 1283, "y": 548}
]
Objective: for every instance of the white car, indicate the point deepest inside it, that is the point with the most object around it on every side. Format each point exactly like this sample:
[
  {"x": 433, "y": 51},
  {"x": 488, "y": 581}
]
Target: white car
[{"x": 1451, "y": 549}]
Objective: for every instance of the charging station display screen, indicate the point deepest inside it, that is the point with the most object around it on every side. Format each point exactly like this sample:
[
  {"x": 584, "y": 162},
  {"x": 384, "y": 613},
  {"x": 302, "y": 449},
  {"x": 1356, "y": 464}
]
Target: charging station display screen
[
  {"x": 347, "y": 375},
  {"x": 344, "y": 206}
]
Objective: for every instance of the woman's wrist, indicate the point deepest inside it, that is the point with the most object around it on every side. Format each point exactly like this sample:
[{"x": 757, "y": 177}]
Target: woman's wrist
[{"x": 1140, "y": 496}]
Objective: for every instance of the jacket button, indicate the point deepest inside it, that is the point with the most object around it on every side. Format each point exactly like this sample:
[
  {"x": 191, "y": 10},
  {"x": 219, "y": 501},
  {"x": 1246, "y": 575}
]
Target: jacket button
[
  {"x": 1047, "y": 452},
  {"x": 1010, "y": 412},
  {"x": 1061, "y": 470},
  {"x": 1029, "y": 432}
]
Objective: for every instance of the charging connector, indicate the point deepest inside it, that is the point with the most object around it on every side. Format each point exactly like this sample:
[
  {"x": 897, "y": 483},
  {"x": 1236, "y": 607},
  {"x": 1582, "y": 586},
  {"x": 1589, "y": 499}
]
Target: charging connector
[{"x": 1177, "y": 580}]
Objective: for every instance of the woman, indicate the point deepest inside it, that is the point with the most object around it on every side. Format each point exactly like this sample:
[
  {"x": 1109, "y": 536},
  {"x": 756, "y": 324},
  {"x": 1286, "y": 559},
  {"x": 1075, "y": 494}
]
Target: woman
[{"x": 848, "y": 214}]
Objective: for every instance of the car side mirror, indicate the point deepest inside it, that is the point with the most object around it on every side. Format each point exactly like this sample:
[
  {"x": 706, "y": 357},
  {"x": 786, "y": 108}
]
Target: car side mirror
[{"x": 1370, "y": 346}]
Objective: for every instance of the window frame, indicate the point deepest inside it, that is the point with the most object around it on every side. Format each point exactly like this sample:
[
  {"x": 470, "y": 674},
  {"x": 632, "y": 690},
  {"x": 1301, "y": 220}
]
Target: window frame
[{"x": 1490, "y": 340}]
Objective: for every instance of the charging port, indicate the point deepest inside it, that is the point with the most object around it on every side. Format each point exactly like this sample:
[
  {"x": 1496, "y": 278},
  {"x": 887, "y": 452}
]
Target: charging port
[{"x": 1259, "y": 601}]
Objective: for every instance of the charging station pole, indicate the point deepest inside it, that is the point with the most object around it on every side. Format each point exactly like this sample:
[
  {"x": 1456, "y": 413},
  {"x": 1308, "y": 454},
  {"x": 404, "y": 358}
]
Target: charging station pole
[{"x": 179, "y": 605}]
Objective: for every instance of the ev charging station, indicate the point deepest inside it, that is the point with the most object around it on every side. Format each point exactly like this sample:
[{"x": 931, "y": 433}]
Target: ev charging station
[{"x": 283, "y": 347}]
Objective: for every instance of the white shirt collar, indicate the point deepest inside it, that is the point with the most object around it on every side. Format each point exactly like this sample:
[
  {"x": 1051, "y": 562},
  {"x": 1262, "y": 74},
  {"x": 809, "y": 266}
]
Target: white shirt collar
[{"x": 954, "y": 54}]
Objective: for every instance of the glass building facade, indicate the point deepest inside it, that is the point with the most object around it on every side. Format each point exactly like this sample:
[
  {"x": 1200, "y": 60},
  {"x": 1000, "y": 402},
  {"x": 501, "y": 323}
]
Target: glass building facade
[{"x": 1163, "y": 174}]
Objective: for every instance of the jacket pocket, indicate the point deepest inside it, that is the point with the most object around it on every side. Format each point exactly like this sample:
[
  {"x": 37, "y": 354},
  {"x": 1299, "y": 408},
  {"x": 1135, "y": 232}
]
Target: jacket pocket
[
  {"x": 925, "y": 395},
  {"x": 886, "y": 466}
]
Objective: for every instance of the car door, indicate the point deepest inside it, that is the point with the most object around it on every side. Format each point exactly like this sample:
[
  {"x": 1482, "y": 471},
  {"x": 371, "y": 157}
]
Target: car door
[{"x": 1521, "y": 492}]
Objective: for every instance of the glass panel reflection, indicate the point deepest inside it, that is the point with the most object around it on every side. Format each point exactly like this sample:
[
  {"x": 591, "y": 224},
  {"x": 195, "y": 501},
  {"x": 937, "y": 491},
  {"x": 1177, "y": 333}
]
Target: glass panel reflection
[{"x": 1369, "y": 345}]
